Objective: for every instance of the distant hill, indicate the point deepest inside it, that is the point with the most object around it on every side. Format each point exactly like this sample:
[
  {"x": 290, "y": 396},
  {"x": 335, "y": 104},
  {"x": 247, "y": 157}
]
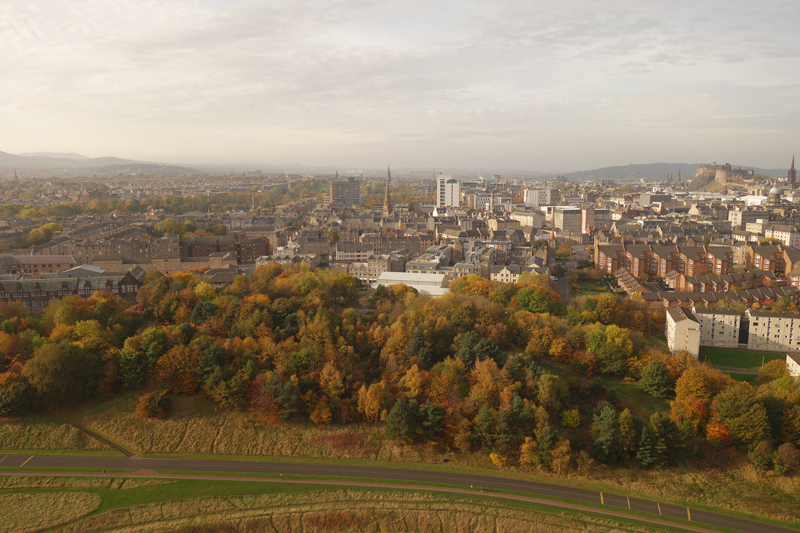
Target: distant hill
[
  {"x": 148, "y": 169},
  {"x": 657, "y": 170},
  {"x": 105, "y": 165},
  {"x": 54, "y": 155}
]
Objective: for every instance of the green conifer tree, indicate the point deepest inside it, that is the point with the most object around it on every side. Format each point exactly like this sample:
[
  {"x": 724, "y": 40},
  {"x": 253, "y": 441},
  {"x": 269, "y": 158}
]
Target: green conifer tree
[{"x": 482, "y": 430}]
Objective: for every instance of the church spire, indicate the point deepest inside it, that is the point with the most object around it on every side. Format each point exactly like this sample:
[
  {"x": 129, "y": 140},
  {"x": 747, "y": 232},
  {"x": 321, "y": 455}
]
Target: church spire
[
  {"x": 387, "y": 200},
  {"x": 792, "y": 177}
]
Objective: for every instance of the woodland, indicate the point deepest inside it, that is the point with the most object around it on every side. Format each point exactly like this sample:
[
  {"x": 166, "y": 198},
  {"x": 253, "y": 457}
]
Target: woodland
[{"x": 493, "y": 368}]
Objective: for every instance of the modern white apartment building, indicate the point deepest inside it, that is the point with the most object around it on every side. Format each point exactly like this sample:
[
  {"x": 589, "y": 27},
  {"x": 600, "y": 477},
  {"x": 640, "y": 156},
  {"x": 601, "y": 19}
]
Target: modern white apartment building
[
  {"x": 793, "y": 364},
  {"x": 683, "y": 331},
  {"x": 448, "y": 192},
  {"x": 773, "y": 330},
  {"x": 537, "y": 197},
  {"x": 718, "y": 327}
]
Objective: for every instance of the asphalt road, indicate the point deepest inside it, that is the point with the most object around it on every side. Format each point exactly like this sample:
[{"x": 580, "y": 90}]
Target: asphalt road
[
  {"x": 564, "y": 289},
  {"x": 489, "y": 483}
]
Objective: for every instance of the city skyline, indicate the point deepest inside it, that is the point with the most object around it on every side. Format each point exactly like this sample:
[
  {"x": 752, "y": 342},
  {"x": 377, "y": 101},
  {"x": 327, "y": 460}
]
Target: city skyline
[{"x": 551, "y": 87}]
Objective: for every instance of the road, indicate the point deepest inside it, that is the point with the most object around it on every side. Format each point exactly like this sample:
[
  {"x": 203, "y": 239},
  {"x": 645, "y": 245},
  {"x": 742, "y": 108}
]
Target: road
[
  {"x": 489, "y": 483},
  {"x": 564, "y": 289}
]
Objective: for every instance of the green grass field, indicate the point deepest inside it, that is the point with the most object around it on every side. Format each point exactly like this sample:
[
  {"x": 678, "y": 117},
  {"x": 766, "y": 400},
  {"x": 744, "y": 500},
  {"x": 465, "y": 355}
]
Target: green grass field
[
  {"x": 738, "y": 358},
  {"x": 590, "y": 288}
]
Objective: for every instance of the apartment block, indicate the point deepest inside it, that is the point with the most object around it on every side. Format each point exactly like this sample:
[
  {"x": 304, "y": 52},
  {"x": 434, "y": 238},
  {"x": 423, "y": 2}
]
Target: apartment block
[
  {"x": 683, "y": 331},
  {"x": 718, "y": 327},
  {"x": 773, "y": 330}
]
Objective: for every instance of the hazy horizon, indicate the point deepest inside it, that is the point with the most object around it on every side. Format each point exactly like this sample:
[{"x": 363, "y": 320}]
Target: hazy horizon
[{"x": 550, "y": 87}]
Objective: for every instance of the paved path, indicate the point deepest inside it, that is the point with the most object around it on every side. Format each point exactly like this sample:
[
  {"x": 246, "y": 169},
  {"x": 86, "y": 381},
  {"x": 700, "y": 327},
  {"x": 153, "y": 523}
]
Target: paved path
[
  {"x": 489, "y": 483},
  {"x": 564, "y": 289},
  {"x": 735, "y": 369}
]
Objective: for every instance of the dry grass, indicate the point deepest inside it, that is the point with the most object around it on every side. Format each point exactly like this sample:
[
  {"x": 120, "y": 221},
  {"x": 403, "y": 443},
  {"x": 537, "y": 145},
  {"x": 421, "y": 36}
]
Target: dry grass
[
  {"x": 739, "y": 487},
  {"x": 41, "y": 434},
  {"x": 340, "y": 511},
  {"x": 32, "y": 512},
  {"x": 197, "y": 426},
  {"x": 21, "y": 482}
]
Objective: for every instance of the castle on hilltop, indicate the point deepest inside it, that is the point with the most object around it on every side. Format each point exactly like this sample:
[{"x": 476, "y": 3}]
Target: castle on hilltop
[{"x": 722, "y": 173}]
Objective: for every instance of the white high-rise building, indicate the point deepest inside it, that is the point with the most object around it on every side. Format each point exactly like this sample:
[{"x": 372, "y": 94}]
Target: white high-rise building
[
  {"x": 537, "y": 197},
  {"x": 448, "y": 192}
]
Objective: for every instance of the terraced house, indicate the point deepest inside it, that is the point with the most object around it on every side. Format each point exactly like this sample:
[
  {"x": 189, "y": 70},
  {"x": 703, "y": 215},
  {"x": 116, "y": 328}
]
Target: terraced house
[
  {"x": 643, "y": 260},
  {"x": 719, "y": 283}
]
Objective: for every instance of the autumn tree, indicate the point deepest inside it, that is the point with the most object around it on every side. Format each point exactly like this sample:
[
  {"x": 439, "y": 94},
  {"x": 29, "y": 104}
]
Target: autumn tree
[
  {"x": 628, "y": 434},
  {"x": 772, "y": 370}
]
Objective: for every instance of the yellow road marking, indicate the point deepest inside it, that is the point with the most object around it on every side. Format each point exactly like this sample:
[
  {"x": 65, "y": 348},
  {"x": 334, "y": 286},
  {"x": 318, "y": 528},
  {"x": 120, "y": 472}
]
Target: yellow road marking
[
  {"x": 601, "y": 499},
  {"x": 629, "y": 502},
  {"x": 26, "y": 462},
  {"x": 689, "y": 514},
  {"x": 659, "y": 508},
  {"x": 3, "y": 459}
]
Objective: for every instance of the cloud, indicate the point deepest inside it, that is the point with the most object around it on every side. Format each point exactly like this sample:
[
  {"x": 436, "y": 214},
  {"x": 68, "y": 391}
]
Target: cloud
[{"x": 184, "y": 80}]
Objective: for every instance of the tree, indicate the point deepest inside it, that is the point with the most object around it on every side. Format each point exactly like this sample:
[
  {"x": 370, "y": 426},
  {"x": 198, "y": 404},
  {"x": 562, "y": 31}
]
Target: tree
[
  {"x": 63, "y": 374},
  {"x": 202, "y": 312},
  {"x": 786, "y": 458},
  {"x": 463, "y": 438},
  {"x": 604, "y": 429},
  {"x": 571, "y": 418},
  {"x": 561, "y": 457},
  {"x": 430, "y": 418},
  {"x": 205, "y": 292},
  {"x": 628, "y": 436},
  {"x": 321, "y": 414},
  {"x": 613, "y": 348},
  {"x": 537, "y": 300},
  {"x": 790, "y": 425},
  {"x": 761, "y": 455},
  {"x": 133, "y": 367},
  {"x": 411, "y": 383},
  {"x": 504, "y": 431},
  {"x": 550, "y": 391},
  {"x": 470, "y": 347},
  {"x": 153, "y": 405},
  {"x": 656, "y": 380},
  {"x": 397, "y": 423},
  {"x": 751, "y": 427},
  {"x": 544, "y": 445},
  {"x": 772, "y": 370},
  {"x": 653, "y": 451},
  {"x": 694, "y": 391},
  {"x": 482, "y": 429},
  {"x": 15, "y": 395}
]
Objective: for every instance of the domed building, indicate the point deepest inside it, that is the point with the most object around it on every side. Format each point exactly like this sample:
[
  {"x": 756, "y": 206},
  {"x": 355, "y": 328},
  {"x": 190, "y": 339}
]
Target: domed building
[{"x": 774, "y": 197}]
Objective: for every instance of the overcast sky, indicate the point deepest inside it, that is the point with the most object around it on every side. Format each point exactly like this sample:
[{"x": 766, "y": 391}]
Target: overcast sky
[{"x": 539, "y": 85}]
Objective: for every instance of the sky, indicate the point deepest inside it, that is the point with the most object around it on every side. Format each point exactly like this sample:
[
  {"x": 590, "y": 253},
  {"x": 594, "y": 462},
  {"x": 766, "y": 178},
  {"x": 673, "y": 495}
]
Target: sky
[{"x": 537, "y": 85}]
